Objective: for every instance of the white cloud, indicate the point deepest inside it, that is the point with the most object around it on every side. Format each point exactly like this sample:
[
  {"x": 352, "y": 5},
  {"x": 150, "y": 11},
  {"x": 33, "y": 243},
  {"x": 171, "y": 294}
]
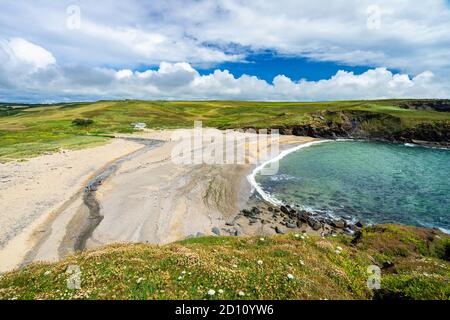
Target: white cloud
[
  {"x": 413, "y": 36},
  {"x": 41, "y": 57},
  {"x": 124, "y": 74},
  {"x": 49, "y": 80},
  {"x": 25, "y": 51}
]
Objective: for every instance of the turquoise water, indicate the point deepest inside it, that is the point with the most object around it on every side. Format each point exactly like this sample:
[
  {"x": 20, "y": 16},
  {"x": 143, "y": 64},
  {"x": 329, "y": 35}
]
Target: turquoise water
[{"x": 369, "y": 181}]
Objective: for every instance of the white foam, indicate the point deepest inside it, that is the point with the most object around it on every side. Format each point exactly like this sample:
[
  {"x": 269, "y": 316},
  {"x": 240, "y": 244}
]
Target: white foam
[
  {"x": 411, "y": 145},
  {"x": 252, "y": 177}
]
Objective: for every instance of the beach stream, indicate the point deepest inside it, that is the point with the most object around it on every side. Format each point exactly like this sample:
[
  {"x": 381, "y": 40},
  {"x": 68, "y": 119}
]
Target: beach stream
[{"x": 89, "y": 195}]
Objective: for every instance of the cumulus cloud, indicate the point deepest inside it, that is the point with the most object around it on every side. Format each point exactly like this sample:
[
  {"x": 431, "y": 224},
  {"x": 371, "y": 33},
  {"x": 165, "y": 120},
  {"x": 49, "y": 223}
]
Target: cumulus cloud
[
  {"x": 406, "y": 35},
  {"x": 21, "y": 61},
  {"x": 41, "y": 57},
  {"x": 24, "y": 51},
  {"x": 39, "y": 74}
]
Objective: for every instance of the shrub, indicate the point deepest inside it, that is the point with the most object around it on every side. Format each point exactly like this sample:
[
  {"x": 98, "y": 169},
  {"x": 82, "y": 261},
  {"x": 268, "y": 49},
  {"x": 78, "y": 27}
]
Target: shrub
[{"x": 82, "y": 122}]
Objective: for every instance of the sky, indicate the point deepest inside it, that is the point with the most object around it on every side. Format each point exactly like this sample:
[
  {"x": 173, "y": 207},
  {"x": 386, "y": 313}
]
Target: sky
[{"x": 296, "y": 50}]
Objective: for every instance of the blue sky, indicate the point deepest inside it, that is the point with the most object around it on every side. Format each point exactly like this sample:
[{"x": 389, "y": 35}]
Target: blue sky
[
  {"x": 267, "y": 66},
  {"x": 288, "y": 50}
]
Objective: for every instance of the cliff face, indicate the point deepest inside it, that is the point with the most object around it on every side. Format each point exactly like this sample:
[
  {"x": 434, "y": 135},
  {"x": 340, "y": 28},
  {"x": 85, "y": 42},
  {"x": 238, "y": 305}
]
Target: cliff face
[
  {"x": 371, "y": 126},
  {"x": 431, "y": 105}
]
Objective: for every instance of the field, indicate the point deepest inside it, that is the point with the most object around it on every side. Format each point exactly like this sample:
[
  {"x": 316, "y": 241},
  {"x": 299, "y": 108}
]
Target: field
[
  {"x": 32, "y": 130},
  {"x": 414, "y": 265}
]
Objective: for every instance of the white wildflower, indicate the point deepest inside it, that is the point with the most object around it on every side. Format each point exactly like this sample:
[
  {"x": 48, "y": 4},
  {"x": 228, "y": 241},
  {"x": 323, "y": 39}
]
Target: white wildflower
[
  {"x": 302, "y": 262},
  {"x": 180, "y": 278},
  {"x": 241, "y": 293},
  {"x": 235, "y": 266},
  {"x": 211, "y": 292},
  {"x": 290, "y": 276},
  {"x": 260, "y": 262},
  {"x": 183, "y": 272},
  {"x": 139, "y": 280},
  {"x": 339, "y": 248},
  {"x": 46, "y": 273},
  {"x": 262, "y": 239},
  {"x": 220, "y": 291}
]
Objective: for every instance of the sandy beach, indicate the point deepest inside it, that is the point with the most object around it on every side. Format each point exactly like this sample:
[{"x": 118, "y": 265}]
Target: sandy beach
[{"x": 148, "y": 198}]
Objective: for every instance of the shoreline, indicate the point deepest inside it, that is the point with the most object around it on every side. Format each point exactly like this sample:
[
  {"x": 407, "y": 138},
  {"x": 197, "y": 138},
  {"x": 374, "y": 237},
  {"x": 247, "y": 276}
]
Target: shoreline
[
  {"x": 190, "y": 201},
  {"x": 348, "y": 225},
  {"x": 252, "y": 177},
  {"x": 165, "y": 202}
]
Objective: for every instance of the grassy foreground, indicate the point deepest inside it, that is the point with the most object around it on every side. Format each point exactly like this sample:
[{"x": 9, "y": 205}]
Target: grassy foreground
[
  {"x": 32, "y": 130},
  {"x": 414, "y": 262}
]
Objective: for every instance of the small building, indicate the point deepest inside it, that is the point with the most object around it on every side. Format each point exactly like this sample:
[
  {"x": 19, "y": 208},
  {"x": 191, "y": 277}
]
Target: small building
[{"x": 139, "y": 125}]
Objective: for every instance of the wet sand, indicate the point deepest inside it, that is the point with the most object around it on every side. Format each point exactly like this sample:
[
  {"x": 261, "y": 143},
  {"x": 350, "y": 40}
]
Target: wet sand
[
  {"x": 31, "y": 191},
  {"x": 148, "y": 198}
]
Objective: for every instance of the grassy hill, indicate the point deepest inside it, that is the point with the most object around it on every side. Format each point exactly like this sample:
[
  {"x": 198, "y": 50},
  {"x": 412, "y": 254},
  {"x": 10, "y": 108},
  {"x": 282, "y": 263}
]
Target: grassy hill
[
  {"x": 27, "y": 131},
  {"x": 414, "y": 264}
]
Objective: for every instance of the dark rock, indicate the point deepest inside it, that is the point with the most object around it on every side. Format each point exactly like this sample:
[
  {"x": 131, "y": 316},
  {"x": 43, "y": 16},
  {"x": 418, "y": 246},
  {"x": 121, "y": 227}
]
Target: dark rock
[
  {"x": 230, "y": 223},
  {"x": 359, "y": 224},
  {"x": 291, "y": 225},
  {"x": 349, "y": 231},
  {"x": 256, "y": 211},
  {"x": 299, "y": 224},
  {"x": 303, "y": 216},
  {"x": 216, "y": 231},
  {"x": 278, "y": 230},
  {"x": 387, "y": 264},
  {"x": 270, "y": 209},
  {"x": 357, "y": 238},
  {"x": 292, "y": 213},
  {"x": 284, "y": 209},
  {"x": 314, "y": 224},
  {"x": 340, "y": 224}
]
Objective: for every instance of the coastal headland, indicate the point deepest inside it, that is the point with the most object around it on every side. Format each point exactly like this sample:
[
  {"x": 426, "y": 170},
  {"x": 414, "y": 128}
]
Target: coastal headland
[{"x": 109, "y": 187}]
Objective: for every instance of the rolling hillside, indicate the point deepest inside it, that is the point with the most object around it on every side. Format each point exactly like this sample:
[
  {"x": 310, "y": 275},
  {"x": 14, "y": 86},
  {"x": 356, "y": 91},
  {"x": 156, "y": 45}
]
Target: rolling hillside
[{"x": 30, "y": 130}]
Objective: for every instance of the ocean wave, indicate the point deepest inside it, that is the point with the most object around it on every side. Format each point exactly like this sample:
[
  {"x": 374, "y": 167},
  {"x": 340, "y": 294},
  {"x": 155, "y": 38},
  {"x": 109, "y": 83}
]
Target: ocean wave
[
  {"x": 252, "y": 177},
  {"x": 411, "y": 145}
]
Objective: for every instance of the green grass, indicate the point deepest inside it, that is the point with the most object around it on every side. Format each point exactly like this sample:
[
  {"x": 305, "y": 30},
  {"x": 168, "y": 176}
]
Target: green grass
[
  {"x": 188, "y": 269},
  {"x": 38, "y": 129}
]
